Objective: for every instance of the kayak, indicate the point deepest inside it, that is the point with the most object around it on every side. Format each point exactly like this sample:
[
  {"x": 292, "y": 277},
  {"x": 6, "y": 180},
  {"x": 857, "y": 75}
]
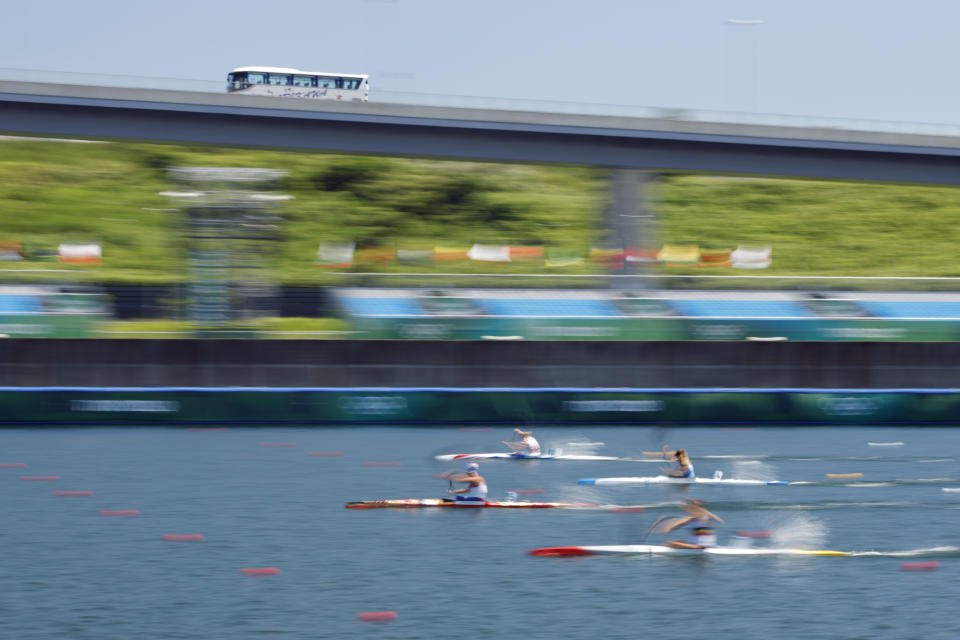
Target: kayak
[
  {"x": 651, "y": 549},
  {"x": 542, "y": 456},
  {"x": 671, "y": 480},
  {"x": 438, "y": 502}
]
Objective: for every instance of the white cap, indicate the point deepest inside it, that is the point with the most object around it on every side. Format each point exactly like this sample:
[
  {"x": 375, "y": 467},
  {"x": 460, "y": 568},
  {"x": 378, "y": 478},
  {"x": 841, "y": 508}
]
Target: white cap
[{"x": 473, "y": 466}]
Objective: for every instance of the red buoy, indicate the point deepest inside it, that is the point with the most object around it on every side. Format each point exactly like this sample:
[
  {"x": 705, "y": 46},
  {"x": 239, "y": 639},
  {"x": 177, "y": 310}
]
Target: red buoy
[
  {"x": 260, "y": 571},
  {"x": 377, "y": 616},
  {"x": 325, "y": 453},
  {"x": 39, "y": 478},
  {"x": 11, "y": 465},
  {"x": 73, "y": 494},
  {"x": 183, "y": 537},
  {"x": 119, "y": 512},
  {"x": 932, "y": 565}
]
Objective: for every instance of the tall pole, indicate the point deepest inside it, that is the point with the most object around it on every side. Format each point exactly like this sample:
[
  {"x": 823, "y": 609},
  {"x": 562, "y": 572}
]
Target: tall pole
[{"x": 742, "y": 81}]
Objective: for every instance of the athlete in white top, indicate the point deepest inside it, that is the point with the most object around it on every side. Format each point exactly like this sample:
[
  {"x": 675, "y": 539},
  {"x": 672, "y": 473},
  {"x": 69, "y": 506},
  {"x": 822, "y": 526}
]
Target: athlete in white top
[
  {"x": 475, "y": 493},
  {"x": 528, "y": 445}
]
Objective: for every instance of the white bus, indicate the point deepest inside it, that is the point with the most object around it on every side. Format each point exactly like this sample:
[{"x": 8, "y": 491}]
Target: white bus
[{"x": 293, "y": 83}]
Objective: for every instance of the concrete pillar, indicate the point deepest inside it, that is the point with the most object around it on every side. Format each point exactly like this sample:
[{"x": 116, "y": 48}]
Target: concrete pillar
[{"x": 631, "y": 220}]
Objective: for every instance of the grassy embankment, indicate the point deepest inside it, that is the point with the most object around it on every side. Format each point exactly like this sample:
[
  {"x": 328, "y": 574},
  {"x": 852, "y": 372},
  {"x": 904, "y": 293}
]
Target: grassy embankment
[{"x": 52, "y": 192}]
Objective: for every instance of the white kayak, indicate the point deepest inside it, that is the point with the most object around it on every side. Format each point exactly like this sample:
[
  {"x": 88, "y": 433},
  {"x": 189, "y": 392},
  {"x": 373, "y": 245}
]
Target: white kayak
[
  {"x": 681, "y": 481},
  {"x": 523, "y": 456},
  {"x": 654, "y": 549},
  {"x": 419, "y": 503}
]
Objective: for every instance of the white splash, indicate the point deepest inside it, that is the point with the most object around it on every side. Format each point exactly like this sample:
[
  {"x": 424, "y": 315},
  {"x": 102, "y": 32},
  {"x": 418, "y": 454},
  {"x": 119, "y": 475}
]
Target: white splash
[
  {"x": 799, "y": 531},
  {"x": 753, "y": 470}
]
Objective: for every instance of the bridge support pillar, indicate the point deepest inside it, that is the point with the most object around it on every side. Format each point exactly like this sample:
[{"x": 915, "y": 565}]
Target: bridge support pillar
[{"x": 631, "y": 223}]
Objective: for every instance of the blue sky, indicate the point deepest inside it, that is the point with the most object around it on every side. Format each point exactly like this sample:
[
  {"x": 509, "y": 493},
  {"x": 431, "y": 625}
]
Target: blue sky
[{"x": 879, "y": 59}]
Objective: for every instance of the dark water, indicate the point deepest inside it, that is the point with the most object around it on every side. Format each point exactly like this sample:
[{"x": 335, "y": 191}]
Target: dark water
[{"x": 68, "y": 572}]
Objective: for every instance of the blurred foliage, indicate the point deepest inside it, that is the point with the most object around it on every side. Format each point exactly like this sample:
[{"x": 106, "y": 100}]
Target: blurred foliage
[
  {"x": 53, "y": 192},
  {"x": 277, "y": 328}
]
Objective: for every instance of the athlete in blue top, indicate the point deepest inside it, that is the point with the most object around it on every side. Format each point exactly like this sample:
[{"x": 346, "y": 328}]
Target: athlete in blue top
[{"x": 684, "y": 467}]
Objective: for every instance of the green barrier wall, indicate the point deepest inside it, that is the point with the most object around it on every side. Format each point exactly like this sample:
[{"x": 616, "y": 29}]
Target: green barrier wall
[
  {"x": 91, "y": 406},
  {"x": 49, "y": 325},
  {"x": 441, "y": 328}
]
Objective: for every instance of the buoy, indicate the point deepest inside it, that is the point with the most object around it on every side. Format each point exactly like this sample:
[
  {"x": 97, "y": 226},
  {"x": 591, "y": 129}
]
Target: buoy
[
  {"x": 754, "y": 534},
  {"x": 11, "y": 465},
  {"x": 382, "y": 464},
  {"x": 844, "y": 476},
  {"x": 527, "y": 490},
  {"x": 276, "y": 444},
  {"x": 39, "y": 478},
  {"x": 932, "y": 565},
  {"x": 119, "y": 512},
  {"x": 325, "y": 453},
  {"x": 73, "y": 494},
  {"x": 183, "y": 537},
  {"x": 377, "y": 616},
  {"x": 260, "y": 571}
]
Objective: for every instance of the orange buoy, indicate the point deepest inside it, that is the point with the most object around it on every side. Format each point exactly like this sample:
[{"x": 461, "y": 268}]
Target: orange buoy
[
  {"x": 377, "y": 616},
  {"x": 276, "y": 444},
  {"x": 183, "y": 537},
  {"x": 382, "y": 464},
  {"x": 39, "y": 478},
  {"x": 119, "y": 512},
  {"x": 73, "y": 494},
  {"x": 11, "y": 465},
  {"x": 932, "y": 565},
  {"x": 260, "y": 571},
  {"x": 325, "y": 453}
]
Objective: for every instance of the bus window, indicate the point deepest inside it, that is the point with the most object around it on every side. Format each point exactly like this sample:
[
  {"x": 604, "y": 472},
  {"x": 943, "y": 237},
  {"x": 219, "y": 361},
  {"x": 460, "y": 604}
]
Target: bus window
[
  {"x": 326, "y": 82},
  {"x": 255, "y": 77},
  {"x": 302, "y": 81},
  {"x": 279, "y": 79}
]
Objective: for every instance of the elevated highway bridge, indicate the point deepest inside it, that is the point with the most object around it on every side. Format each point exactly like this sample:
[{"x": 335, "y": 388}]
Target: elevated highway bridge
[{"x": 636, "y": 149}]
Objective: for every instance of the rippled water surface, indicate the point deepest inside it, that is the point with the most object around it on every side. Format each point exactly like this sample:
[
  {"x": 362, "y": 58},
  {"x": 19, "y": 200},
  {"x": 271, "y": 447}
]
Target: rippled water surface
[{"x": 69, "y": 572}]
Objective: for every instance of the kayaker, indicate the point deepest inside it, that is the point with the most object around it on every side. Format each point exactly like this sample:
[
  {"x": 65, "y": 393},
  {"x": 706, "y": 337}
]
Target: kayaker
[
  {"x": 684, "y": 468},
  {"x": 475, "y": 493},
  {"x": 527, "y": 446},
  {"x": 697, "y": 522}
]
